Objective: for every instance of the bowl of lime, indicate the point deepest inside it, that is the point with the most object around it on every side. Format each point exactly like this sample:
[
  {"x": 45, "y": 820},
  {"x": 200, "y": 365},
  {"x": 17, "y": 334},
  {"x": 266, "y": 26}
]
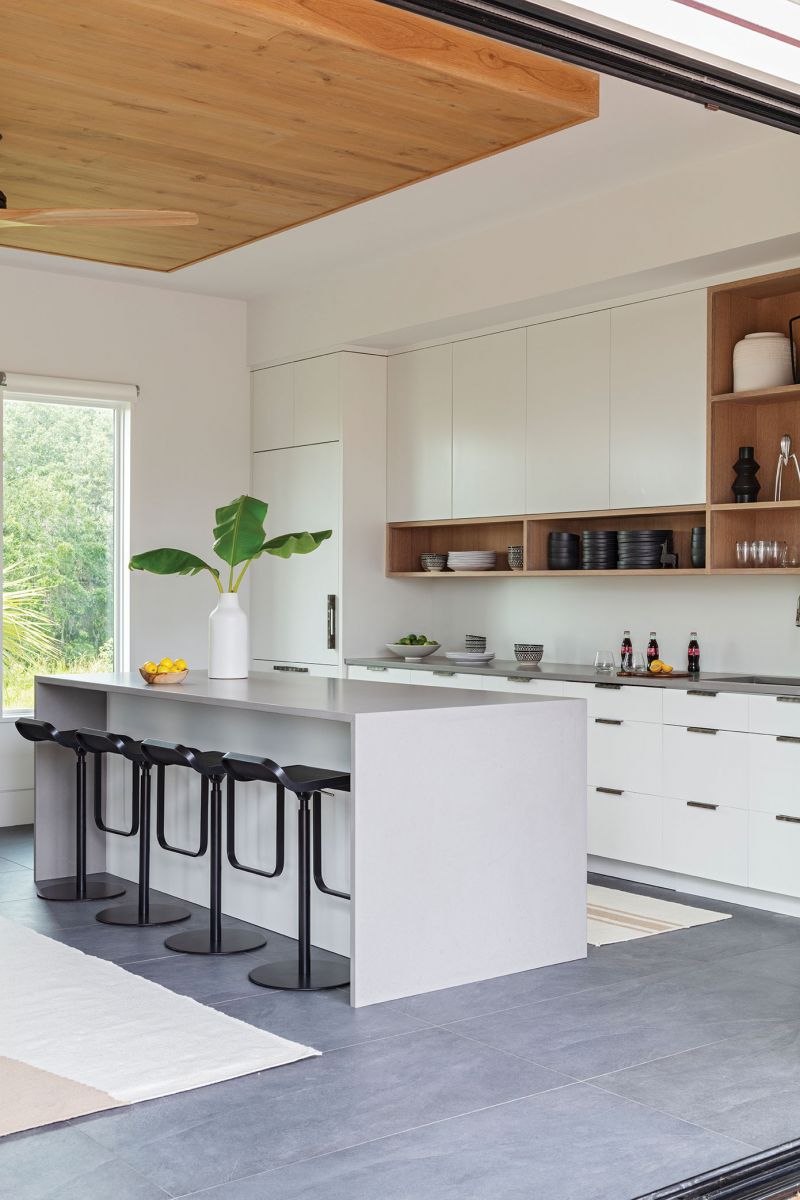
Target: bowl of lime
[{"x": 412, "y": 647}]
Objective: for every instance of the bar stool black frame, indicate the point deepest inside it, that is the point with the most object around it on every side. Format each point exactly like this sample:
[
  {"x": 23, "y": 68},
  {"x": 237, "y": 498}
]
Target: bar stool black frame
[
  {"x": 208, "y": 765},
  {"x": 144, "y": 912},
  {"x": 310, "y": 972},
  {"x": 78, "y": 887}
]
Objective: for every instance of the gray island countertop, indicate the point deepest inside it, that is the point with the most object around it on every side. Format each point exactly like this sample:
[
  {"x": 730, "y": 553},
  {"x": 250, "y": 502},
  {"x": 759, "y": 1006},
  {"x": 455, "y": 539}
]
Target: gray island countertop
[
  {"x": 293, "y": 695},
  {"x": 718, "y": 681}
]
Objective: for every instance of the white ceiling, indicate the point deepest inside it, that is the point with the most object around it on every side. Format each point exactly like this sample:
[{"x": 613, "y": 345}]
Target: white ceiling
[{"x": 640, "y": 133}]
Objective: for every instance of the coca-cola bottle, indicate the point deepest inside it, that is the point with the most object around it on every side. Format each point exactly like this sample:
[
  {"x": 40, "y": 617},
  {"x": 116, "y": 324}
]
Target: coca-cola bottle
[
  {"x": 652, "y": 648},
  {"x": 626, "y": 651},
  {"x": 694, "y": 654}
]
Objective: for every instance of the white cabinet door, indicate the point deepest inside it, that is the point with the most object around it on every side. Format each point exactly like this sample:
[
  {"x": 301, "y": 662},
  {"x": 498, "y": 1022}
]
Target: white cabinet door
[
  {"x": 567, "y": 414},
  {"x": 316, "y": 400},
  {"x": 273, "y": 407},
  {"x": 707, "y": 842},
  {"x": 523, "y": 685},
  {"x": 453, "y": 679},
  {"x": 775, "y": 714},
  {"x": 625, "y": 755},
  {"x": 288, "y": 597},
  {"x": 774, "y": 764},
  {"x": 489, "y": 425},
  {"x": 658, "y": 402},
  {"x": 625, "y": 702},
  {"x": 774, "y": 854},
  {"x": 625, "y": 826},
  {"x": 420, "y": 435},
  {"x": 706, "y": 765},
  {"x": 701, "y": 705},
  {"x": 379, "y": 674}
]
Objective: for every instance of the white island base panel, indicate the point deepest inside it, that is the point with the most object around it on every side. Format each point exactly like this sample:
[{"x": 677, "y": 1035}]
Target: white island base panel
[{"x": 463, "y": 841}]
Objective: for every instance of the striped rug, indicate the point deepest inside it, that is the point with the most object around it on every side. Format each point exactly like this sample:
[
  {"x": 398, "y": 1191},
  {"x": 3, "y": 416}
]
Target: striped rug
[{"x": 616, "y": 916}]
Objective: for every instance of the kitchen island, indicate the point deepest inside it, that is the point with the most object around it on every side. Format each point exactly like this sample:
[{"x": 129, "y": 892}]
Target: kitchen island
[{"x": 462, "y": 841}]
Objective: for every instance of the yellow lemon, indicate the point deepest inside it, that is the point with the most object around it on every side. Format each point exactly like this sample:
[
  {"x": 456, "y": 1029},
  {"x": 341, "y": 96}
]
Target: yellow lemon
[
  {"x": 162, "y": 670},
  {"x": 666, "y": 668},
  {"x": 149, "y": 667},
  {"x": 180, "y": 664},
  {"x": 655, "y": 667},
  {"x": 166, "y": 663}
]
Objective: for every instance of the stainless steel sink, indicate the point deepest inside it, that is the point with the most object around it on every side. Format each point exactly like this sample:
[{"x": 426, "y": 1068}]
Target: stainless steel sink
[{"x": 764, "y": 680}]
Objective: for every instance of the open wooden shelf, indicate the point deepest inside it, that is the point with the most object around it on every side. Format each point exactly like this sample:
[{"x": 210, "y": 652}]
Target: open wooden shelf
[
  {"x": 761, "y": 504},
  {"x": 791, "y": 391}
]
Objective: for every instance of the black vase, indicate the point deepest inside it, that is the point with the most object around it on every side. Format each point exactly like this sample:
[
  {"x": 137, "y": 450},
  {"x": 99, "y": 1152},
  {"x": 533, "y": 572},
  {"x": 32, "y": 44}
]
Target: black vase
[{"x": 745, "y": 486}]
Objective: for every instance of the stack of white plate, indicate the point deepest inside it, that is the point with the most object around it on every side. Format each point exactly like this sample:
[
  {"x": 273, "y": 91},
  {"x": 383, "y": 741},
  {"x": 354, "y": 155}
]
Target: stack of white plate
[
  {"x": 471, "y": 560},
  {"x": 471, "y": 658}
]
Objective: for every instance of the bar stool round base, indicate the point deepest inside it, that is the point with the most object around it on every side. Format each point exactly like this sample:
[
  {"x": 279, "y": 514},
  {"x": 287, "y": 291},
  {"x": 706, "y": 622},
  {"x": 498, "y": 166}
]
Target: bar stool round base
[
  {"x": 68, "y": 890},
  {"x": 128, "y": 914},
  {"x": 198, "y": 941},
  {"x": 325, "y": 973}
]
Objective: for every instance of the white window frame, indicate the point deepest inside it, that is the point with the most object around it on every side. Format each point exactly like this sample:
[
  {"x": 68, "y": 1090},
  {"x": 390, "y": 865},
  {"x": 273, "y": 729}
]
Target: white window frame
[{"x": 119, "y": 398}]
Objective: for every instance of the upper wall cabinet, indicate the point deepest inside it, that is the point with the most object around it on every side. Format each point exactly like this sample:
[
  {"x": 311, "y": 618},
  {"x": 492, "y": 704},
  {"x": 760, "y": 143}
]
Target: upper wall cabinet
[
  {"x": 489, "y": 425},
  {"x": 297, "y": 404},
  {"x": 567, "y": 415},
  {"x": 658, "y": 402},
  {"x": 420, "y": 435}
]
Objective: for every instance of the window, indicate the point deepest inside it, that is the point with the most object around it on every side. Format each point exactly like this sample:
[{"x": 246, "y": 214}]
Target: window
[{"x": 64, "y": 538}]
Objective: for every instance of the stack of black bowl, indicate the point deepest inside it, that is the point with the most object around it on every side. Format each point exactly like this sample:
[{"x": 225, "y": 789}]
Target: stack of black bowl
[
  {"x": 563, "y": 551},
  {"x": 598, "y": 549},
  {"x": 640, "y": 549},
  {"x": 699, "y": 546}
]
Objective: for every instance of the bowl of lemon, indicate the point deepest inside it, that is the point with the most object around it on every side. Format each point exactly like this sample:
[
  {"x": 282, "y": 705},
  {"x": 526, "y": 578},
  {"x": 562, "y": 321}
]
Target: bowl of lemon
[{"x": 169, "y": 670}]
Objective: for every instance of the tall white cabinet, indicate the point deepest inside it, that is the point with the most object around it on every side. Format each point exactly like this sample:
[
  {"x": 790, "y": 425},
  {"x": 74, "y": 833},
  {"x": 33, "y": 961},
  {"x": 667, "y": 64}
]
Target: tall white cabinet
[
  {"x": 489, "y": 425},
  {"x": 567, "y": 459},
  {"x": 420, "y": 435},
  {"x": 658, "y": 407}
]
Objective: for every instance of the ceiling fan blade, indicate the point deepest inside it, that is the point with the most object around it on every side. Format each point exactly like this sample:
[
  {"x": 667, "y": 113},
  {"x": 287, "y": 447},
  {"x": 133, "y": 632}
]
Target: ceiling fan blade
[{"x": 98, "y": 218}]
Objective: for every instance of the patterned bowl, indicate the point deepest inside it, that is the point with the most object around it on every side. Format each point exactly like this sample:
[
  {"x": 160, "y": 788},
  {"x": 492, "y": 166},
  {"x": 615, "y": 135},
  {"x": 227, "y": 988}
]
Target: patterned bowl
[
  {"x": 433, "y": 562},
  {"x": 528, "y": 652}
]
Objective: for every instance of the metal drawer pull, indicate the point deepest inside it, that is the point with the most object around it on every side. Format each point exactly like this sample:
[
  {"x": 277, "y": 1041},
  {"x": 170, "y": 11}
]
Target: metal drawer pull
[
  {"x": 298, "y": 670},
  {"x": 699, "y": 804},
  {"x": 606, "y": 721},
  {"x": 377, "y": 668},
  {"x": 518, "y": 679},
  {"x": 445, "y": 674},
  {"x": 700, "y": 729},
  {"x": 710, "y": 694},
  {"x": 614, "y": 687},
  {"x": 784, "y": 737},
  {"x": 610, "y": 791},
  {"x": 791, "y": 820},
  {"x": 788, "y": 699},
  {"x": 330, "y": 622}
]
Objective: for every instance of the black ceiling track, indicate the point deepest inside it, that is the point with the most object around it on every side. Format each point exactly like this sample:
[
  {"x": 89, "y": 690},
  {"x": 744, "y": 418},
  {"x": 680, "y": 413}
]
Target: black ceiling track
[
  {"x": 613, "y": 53},
  {"x": 769, "y": 1175}
]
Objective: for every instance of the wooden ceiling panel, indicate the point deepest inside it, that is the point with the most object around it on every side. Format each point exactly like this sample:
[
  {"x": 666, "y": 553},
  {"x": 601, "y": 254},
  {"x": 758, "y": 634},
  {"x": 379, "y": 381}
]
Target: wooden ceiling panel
[{"x": 257, "y": 114}]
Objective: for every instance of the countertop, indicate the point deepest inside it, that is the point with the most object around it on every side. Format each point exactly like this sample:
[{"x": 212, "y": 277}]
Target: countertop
[
  {"x": 716, "y": 681},
  {"x": 297, "y": 696}
]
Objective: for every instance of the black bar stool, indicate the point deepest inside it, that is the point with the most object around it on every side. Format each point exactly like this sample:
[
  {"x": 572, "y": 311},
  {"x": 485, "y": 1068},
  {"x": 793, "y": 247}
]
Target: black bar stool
[
  {"x": 144, "y": 912},
  {"x": 77, "y": 887},
  {"x": 208, "y": 765},
  {"x": 310, "y": 972}
]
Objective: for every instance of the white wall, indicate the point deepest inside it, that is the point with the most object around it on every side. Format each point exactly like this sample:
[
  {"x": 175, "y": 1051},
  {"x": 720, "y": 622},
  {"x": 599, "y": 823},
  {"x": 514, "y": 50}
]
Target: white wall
[{"x": 189, "y": 427}]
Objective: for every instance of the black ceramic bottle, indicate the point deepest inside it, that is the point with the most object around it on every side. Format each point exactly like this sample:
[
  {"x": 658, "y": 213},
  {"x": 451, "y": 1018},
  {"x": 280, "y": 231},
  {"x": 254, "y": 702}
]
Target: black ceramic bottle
[{"x": 746, "y": 486}]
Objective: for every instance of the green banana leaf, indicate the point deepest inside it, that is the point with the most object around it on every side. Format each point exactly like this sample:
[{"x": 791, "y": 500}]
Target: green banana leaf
[
  {"x": 295, "y": 543},
  {"x": 168, "y": 561},
  {"x": 239, "y": 531}
]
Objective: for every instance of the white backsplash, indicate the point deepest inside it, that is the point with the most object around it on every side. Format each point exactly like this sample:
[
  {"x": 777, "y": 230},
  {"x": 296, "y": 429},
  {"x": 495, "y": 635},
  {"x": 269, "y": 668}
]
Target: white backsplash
[{"x": 743, "y": 624}]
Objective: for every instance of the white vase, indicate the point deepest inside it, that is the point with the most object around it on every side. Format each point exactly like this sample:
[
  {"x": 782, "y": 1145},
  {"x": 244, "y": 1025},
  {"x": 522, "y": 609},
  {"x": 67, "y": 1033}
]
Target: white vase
[
  {"x": 762, "y": 360},
  {"x": 228, "y": 640}
]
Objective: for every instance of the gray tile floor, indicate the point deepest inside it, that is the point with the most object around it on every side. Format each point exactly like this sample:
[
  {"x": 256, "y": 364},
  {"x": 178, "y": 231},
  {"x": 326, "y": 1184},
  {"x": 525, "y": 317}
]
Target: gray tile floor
[{"x": 600, "y": 1079}]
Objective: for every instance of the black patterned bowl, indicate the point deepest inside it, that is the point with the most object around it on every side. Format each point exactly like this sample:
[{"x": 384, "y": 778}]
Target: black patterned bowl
[{"x": 528, "y": 652}]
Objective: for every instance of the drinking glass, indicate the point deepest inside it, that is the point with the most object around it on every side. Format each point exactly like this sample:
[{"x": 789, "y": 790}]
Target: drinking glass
[
  {"x": 759, "y": 552},
  {"x": 604, "y": 662},
  {"x": 742, "y": 554},
  {"x": 777, "y": 554},
  {"x": 791, "y": 556},
  {"x": 638, "y": 662}
]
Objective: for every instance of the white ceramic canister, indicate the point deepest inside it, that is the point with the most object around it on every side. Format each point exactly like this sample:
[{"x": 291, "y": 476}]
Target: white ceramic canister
[{"x": 762, "y": 360}]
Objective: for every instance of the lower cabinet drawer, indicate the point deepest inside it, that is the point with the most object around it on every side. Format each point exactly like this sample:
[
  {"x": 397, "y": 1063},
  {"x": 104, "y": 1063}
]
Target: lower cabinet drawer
[
  {"x": 700, "y": 705},
  {"x": 775, "y": 714},
  {"x": 625, "y": 826},
  {"x": 774, "y": 773},
  {"x": 379, "y": 674},
  {"x": 624, "y": 754},
  {"x": 774, "y": 854},
  {"x": 708, "y": 842},
  {"x": 523, "y": 685},
  {"x": 706, "y": 764},
  {"x": 450, "y": 679}
]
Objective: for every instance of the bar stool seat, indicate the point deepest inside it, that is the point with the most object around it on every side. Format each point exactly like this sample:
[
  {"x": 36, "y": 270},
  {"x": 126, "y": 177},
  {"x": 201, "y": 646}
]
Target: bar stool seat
[
  {"x": 78, "y": 887},
  {"x": 208, "y": 764},
  {"x": 143, "y": 912},
  {"x": 310, "y": 971}
]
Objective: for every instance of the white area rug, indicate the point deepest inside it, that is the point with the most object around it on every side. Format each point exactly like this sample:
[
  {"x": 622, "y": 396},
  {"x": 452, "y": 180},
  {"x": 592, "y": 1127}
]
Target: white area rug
[
  {"x": 616, "y": 916},
  {"x": 79, "y": 1035}
]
